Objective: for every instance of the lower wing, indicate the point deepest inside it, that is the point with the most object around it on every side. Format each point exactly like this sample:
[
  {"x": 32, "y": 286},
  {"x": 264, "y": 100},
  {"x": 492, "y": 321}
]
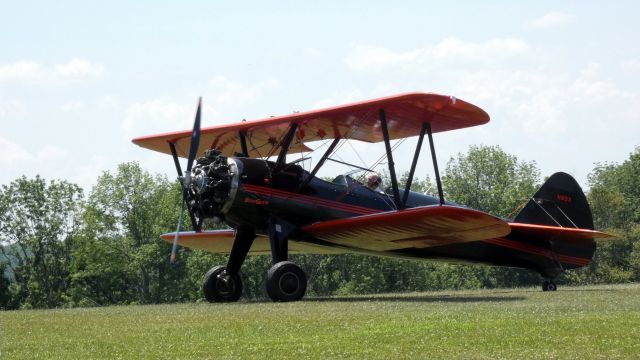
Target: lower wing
[{"x": 420, "y": 227}]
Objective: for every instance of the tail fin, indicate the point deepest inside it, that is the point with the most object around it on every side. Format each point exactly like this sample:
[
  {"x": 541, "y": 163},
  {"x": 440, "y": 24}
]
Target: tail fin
[{"x": 559, "y": 202}]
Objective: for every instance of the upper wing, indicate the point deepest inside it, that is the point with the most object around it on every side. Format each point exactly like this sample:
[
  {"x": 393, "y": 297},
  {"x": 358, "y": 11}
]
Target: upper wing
[
  {"x": 405, "y": 114},
  {"x": 417, "y": 227},
  {"x": 220, "y": 241}
]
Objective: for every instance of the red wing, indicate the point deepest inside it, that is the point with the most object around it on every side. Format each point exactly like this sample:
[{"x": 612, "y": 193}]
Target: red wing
[
  {"x": 563, "y": 234},
  {"x": 220, "y": 241},
  {"x": 405, "y": 114},
  {"x": 417, "y": 227}
]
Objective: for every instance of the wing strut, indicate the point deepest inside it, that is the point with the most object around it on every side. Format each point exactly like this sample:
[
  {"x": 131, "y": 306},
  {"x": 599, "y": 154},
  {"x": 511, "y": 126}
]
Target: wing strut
[
  {"x": 392, "y": 168},
  {"x": 286, "y": 142},
  {"x": 319, "y": 165},
  {"x": 407, "y": 188},
  {"x": 243, "y": 143},
  {"x": 435, "y": 164}
]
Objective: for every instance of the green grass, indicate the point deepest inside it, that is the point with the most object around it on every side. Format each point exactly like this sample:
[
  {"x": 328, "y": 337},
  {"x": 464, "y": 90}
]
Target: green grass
[{"x": 581, "y": 322}]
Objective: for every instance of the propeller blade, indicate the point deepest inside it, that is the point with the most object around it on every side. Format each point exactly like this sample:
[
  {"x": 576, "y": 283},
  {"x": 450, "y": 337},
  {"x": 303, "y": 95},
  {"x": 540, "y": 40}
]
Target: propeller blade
[
  {"x": 174, "y": 248},
  {"x": 195, "y": 138},
  {"x": 185, "y": 181}
]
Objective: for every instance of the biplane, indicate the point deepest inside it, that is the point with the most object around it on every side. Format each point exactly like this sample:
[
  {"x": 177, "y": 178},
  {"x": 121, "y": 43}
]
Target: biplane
[{"x": 274, "y": 206}]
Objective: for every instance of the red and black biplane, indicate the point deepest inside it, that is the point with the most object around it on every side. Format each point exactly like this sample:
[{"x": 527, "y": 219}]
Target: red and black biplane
[{"x": 277, "y": 207}]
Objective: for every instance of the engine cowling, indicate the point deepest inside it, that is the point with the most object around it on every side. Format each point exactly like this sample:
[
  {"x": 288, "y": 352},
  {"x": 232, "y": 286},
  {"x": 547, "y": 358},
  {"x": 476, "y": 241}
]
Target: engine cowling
[{"x": 213, "y": 186}]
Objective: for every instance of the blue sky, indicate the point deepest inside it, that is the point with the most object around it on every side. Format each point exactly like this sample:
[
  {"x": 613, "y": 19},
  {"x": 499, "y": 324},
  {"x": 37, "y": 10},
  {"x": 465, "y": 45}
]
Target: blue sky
[{"x": 78, "y": 80}]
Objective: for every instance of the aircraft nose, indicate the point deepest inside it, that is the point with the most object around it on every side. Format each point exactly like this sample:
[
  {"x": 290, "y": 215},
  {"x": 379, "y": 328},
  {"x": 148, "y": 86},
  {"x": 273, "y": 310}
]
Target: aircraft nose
[{"x": 211, "y": 184}]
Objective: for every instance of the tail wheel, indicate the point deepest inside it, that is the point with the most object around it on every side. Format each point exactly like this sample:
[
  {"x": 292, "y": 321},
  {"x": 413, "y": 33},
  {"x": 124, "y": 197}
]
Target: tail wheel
[
  {"x": 219, "y": 286},
  {"x": 286, "y": 282},
  {"x": 549, "y": 285}
]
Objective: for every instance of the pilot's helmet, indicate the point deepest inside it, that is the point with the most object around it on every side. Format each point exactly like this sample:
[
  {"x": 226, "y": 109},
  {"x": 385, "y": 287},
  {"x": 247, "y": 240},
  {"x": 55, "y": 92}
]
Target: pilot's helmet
[{"x": 374, "y": 180}]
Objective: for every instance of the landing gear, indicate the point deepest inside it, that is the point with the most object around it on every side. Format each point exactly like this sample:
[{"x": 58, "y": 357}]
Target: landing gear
[
  {"x": 549, "y": 285},
  {"x": 223, "y": 283},
  {"x": 220, "y": 286},
  {"x": 286, "y": 282}
]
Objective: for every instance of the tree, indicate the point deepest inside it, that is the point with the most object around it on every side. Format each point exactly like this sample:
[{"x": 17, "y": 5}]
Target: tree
[
  {"x": 120, "y": 256},
  {"x": 38, "y": 221},
  {"x": 488, "y": 179},
  {"x": 4, "y": 287},
  {"x": 423, "y": 186},
  {"x": 615, "y": 193},
  {"x": 615, "y": 202}
]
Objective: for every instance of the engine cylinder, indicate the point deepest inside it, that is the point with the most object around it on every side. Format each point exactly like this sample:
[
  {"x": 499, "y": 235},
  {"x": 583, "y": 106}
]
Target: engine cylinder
[{"x": 213, "y": 185}]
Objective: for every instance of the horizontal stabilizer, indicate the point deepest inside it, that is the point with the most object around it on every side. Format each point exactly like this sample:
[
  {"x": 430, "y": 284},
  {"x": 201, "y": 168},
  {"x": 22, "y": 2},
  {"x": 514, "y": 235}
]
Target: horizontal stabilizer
[
  {"x": 411, "y": 228},
  {"x": 561, "y": 234},
  {"x": 570, "y": 247}
]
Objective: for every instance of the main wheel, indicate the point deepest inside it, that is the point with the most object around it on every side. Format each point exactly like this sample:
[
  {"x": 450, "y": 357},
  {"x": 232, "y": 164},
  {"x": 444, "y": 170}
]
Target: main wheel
[
  {"x": 219, "y": 286},
  {"x": 286, "y": 282},
  {"x": 549, "y": 285}
]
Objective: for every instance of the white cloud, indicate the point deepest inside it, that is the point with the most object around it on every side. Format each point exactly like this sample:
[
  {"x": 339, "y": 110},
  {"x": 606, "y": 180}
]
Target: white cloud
[
  {"x": 50, "y": 153},
  {"x": 12, "y": 153},
  {"x": 453, "y": 48},
  {"x": 364, "y": 57},
  {"x": 49, "y": 161},
  {"x": 630, "y": 66},
  {"x": 313, "y": 52},
  {"x": 339, "y": 99},
  {"x": 78, "y": 69},
  {"x": 155, "y": 116},
  {"x": 21, "y": 70},
  {"x": 222, "y": 96},
  {"x": 224, "y": 92},
  {"x": 33, "y": 72},
  {"x": 72, "y": 106},
  {"x": 11, "y": 108},
  {"x": 537, "y": 102},
  {"x": 108, "y": 102},
  {"x": 591, "y": 86},
  {"x": 446, "y": 52},
  {"x": 553, "y": 20},
  {"x": 15, "y": 156}
]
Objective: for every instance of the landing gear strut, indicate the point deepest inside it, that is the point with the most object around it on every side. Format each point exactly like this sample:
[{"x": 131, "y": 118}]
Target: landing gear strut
[
  {"x": 549, "y": 285},
  {"x": 223, "y": 283},
  {"x": 285, "y": 280}
]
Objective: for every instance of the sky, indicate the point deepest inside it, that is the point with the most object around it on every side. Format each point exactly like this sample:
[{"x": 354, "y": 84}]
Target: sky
[{"x": 79, "y": 79}]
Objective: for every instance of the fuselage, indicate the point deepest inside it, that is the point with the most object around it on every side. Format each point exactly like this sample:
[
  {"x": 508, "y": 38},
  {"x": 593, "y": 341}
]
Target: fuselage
[{"x": 264, "y": 190}]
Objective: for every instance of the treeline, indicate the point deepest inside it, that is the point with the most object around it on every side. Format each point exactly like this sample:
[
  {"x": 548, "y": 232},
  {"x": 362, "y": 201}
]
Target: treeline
[{"x": 60, "y": 249}]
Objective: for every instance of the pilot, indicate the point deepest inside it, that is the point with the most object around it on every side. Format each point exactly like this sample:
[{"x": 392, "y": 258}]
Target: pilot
[{"x": 374, "y": 182}]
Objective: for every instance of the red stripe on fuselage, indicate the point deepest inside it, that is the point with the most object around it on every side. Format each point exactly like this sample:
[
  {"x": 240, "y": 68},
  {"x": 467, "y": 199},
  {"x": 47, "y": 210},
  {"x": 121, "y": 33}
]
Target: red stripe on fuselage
[{"x": 261, "y": 190}]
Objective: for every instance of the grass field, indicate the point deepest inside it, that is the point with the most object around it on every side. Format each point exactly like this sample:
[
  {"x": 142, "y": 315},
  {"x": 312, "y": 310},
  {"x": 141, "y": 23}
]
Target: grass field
[{"x": 583, "y": 322}]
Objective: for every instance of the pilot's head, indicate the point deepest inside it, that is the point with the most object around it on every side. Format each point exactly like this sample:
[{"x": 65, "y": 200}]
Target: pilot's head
[{"x": 374, "y": 180}]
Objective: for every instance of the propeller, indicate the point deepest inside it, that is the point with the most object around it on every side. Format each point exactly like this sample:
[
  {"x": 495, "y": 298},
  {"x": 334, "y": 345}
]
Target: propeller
[{"x": 185, "y": 180}]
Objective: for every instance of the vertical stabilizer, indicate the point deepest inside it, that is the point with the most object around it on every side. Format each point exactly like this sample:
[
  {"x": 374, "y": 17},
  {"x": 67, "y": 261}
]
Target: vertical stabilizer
[{"x": 559, "y": 202}]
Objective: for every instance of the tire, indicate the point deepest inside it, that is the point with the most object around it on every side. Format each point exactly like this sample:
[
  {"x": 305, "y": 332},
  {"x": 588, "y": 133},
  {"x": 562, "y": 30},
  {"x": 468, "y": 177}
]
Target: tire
[
  {"x": 549, "y": 285},
  {"x": 216, "y": 289},
  {"x": 286, "y": 282}
]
